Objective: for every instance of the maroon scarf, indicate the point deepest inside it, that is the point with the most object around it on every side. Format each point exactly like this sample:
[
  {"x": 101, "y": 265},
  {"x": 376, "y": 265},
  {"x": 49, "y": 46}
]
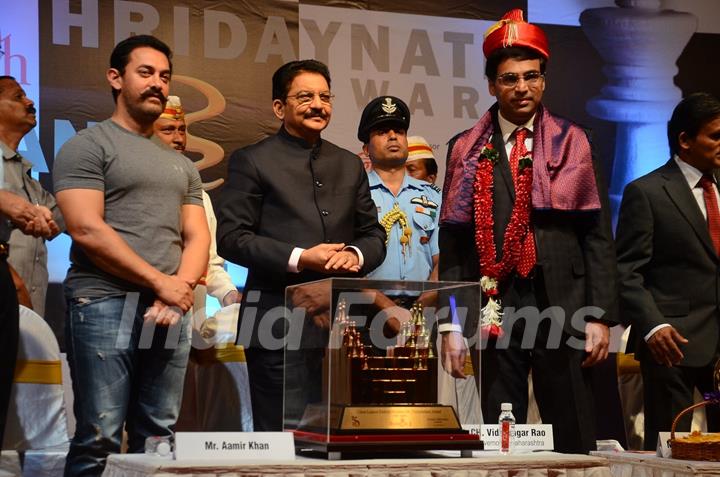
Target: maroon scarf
[{"x": 563, "y": 174}]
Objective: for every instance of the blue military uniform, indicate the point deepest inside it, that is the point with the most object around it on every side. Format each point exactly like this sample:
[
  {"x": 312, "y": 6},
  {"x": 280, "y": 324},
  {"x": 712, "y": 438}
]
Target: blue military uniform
[{"x": 420, "y": 201}]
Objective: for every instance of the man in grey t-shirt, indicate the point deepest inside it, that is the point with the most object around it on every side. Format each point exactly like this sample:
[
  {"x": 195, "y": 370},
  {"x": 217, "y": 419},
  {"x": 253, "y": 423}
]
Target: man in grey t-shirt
[{"x": 140, "y": 243}]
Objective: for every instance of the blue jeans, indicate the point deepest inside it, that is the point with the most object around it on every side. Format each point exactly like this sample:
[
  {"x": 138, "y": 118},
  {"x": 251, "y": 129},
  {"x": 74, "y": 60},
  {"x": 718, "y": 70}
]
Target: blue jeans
[{"x": 123, "y": 372}]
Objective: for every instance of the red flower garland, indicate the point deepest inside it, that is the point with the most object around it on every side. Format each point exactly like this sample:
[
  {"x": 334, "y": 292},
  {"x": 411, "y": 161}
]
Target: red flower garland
[{"x": 516, "y": 231}]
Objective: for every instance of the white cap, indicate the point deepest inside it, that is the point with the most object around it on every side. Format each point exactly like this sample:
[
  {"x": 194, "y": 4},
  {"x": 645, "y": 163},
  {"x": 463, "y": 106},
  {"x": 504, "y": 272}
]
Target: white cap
[
  {"x": 418, "y": 148},
  {"x": 506, "y": 406}
]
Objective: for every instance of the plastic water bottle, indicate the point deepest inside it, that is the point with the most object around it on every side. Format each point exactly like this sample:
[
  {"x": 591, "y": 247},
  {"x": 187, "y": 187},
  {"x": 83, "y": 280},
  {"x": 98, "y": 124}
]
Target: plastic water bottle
[
  {"x": 159, "y": 446},
  {"x": 506, "y": 423}
]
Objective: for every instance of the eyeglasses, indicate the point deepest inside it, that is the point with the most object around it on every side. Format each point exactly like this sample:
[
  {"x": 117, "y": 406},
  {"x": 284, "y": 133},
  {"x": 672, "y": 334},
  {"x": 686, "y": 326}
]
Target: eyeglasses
[
  {"x": 511, "y": 80},
  {"x": 306, "y": 97}
]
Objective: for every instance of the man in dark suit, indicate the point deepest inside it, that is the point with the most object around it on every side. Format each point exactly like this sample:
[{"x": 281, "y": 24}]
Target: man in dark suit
[
  {"x": 295, "y": 209},
  {"x": 668, "y": 240},
  {"x": 525, "y": 213}
]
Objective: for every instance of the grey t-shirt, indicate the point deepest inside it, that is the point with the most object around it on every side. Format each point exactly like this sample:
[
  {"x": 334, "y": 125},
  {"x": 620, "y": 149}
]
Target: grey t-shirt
[{"x": 145, "y": 184}]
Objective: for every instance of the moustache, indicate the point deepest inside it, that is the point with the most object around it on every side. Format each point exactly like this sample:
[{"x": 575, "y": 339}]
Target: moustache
[
  {"x": 317, "y": 113},
  {"x": 31, "y": 110},
  {"x": 154, "y": 94}
]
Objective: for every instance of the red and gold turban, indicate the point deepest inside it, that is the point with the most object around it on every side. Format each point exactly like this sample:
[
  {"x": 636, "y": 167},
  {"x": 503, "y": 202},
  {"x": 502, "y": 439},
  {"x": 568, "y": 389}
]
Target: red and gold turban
[{"x": 513, "y": 30}]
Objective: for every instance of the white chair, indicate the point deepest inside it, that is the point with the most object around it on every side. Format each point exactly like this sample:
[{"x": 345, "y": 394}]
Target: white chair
[
  {"x": 37, "y": 422},
  {"x": 36, "y": 415}
]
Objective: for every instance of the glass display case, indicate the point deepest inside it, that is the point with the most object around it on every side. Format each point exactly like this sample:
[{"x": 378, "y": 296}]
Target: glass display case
[{"x": 363, "y": 365}]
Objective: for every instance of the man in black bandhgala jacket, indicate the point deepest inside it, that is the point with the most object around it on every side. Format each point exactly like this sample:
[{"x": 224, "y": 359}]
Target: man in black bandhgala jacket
[{"x": 296, "y": 208}]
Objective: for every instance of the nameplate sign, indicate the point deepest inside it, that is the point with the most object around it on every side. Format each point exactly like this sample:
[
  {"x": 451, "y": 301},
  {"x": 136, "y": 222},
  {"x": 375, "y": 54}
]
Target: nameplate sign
[
  {"x": 526, "y": 438},
  {"x": 234, "y": 446},
  {"x": 472, "y": 428},
  {"x": 664, "y": 448}
]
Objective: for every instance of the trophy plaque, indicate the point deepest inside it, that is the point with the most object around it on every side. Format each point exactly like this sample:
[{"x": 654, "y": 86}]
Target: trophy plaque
[{"x": 377, "y": 398}]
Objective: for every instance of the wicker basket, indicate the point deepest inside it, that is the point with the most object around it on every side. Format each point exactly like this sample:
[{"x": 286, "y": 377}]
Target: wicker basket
[{"x": 694, "y": 450}]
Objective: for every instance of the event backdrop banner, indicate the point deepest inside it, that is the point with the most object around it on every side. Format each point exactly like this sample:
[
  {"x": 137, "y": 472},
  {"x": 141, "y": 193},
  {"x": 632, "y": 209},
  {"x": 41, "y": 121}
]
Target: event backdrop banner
[
  {"x": 225, "y": 54},
  {"x": 224, "y": 57},
  {"x": 434, "y": 64},
  {"x": 19, "y": 57}
]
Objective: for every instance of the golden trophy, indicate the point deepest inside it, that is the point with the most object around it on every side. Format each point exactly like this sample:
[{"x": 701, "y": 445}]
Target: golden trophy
[{"x": 380, "y": 400}]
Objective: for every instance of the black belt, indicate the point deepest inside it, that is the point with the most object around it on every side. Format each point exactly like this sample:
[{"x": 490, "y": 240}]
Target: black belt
[{"x": 4, "y": 249}]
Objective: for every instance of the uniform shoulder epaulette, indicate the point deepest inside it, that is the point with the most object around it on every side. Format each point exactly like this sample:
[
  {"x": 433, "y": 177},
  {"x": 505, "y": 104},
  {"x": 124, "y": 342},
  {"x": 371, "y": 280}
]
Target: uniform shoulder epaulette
[{"x": 434, "y": 187}]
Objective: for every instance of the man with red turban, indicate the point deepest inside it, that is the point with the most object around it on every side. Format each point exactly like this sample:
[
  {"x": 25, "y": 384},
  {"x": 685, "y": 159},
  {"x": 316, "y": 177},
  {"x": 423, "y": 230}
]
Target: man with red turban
[{"x": 524, "y": 211}]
